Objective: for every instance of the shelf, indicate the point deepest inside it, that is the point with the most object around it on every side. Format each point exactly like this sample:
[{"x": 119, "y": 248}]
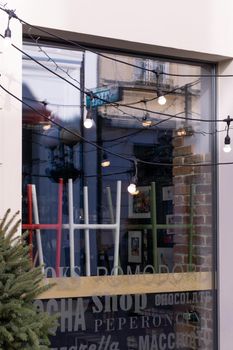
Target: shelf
[{"x": 73, "y": 287}]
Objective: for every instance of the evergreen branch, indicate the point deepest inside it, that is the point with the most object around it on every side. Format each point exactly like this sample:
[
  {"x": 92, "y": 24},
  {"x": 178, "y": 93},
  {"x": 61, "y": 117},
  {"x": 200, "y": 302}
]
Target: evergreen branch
[
  {"x": 21, "y": 325},
  {"x": 4, "y": 220},
  {"x": 5, "y": 228}
]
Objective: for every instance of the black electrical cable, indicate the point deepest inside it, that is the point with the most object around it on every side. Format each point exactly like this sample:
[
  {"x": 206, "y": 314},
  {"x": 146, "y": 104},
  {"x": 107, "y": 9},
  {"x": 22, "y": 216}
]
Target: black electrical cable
[
  {"x": 62, "y": 127},
  {"x": 90, "y": 94},
  {"x": 116, "y": 105},
  {"x": 12, "y": 14},
  {"x": 203, "y": 133},
  {"x": 54, "y": 62},
  {"x": 122, "y": 105},
  {"x": 128, "y": 104},
  {"x": 47, "y": 103},
  {"x": 138, "y": 131},
  {"x": 199, "y": 75},
  {"x": 107, "y": 150},
  {"x": 85, "y": 176},
  {"x": 83, "y": 47},
  {"x": 165, "y": 93}
]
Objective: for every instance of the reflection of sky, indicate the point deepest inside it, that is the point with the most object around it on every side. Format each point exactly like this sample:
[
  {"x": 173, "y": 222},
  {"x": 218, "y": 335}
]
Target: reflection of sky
[{"x": 63, "y": 100}]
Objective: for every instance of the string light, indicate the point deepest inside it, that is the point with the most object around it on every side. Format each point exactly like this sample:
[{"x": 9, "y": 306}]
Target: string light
[
  {"x": 227, "y": 144},
  {"x": 185, "y": 131},
  {"x": 7, "y": 34},
  {"x": 80, "y": 137},
  {"x": 162, "y": 100},
  {"x": 227, "y": 140},
  {"x": 180, "y": 132},
  {"x": 128, "y": 104},
  {"x": 88, "y": 121},
  {"x": 132, "y": 188},
  {"x": 46, "y": 126},
  {"x": 88, "y": 93},
  {"x": 116, "y": 105},
  {"x": 83, "y": 47},
  {"x": 145, "y": 121},
  {"x": 105, "y": 161}
]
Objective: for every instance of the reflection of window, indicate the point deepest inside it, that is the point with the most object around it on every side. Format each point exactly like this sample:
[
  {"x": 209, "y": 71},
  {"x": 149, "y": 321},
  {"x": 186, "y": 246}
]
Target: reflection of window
[{"x": 146, "y": 73}]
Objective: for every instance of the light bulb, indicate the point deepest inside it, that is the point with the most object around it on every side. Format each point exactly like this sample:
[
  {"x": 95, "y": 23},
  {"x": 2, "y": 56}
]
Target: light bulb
[
  {"x": 227, "y": 144},
  {"x": 46, "y": 126},
  {"x": 7, "y": 38},
  {"x": 227, "y": 148},
  {"x": 88, "y": 123},
  {"x": 181, "y": 132},
  {"x": 146, "y": 122},
  {"x": 162, "y": 100},
  {"x": 132, "y": 188},
  {"x": 105, "y": 161},
  {"x": 135, "y": 193}
]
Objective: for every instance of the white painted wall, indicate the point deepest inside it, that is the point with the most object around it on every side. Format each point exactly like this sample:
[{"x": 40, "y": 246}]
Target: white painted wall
[
  {"x": 200, "y": 25},
  {"x": 190, "y": 27},
  {"x": 10, "y": 121},
  {"x": 225, "y": 203}
]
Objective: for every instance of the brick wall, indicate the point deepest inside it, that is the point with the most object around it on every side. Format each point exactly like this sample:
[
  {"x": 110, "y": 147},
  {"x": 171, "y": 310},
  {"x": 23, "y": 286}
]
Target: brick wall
[
  {"x": 195, "y": 181},
  {"x": 198, "y": 181}
]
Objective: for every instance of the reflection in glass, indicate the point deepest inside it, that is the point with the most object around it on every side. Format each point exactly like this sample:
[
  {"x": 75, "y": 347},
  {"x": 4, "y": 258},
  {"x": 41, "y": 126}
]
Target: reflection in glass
[{"x": 171, "y": 207}]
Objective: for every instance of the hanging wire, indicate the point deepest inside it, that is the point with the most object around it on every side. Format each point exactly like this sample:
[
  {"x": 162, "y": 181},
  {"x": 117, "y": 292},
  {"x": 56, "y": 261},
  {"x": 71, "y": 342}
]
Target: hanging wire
[
  {"x": 90, "y": 93},
  {"x": 47, "y": 103},
  {"x": 50, "y": 59},
  {"x": 128, "y": 104},
  {"x": 116, "y": 104},
  {"x": 12, "y": 14},
  {"x": 83, "y": 47},
  {"x": 125, "y": 105},
  {"x": 103, "y": 148}
]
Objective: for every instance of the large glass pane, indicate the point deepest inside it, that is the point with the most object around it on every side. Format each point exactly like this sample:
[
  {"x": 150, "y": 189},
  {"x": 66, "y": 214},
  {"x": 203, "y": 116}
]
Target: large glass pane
[
  {"x": 152, "y": 127},
  {"x": 168, "y": 222}
]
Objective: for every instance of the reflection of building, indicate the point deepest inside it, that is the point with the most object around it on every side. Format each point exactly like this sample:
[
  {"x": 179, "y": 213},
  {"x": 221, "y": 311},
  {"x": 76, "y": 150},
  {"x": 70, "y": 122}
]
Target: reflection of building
[{"x": 30, "y": 115}]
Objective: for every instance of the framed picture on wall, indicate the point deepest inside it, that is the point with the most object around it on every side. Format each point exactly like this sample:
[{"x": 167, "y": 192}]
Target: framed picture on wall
[
  {"x": 170, "y": 220},
  {"x": 135, "y": 247},
  {"x": 168, "y": 193},
  {"x": 165, "y": 259},
  {"x": 139, "y": 205}
]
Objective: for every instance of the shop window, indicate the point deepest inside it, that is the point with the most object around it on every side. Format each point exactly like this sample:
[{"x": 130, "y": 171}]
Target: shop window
[{"x": 147, "y": 256}]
